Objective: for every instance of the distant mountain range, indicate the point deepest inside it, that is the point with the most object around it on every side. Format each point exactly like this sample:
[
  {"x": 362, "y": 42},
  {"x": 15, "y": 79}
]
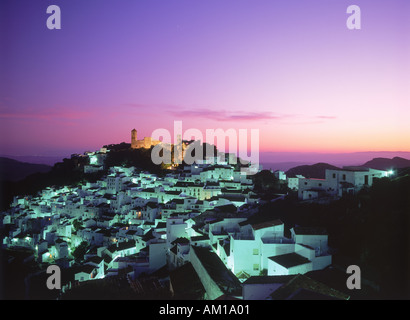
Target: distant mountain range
[
  {"x": 13, "y": 170},
  {"x": 387, "y": 164},
  {"x": 48, "y": 160},
  {"x": 287, "y": 160},
  {"x": 318, "y": 170}
]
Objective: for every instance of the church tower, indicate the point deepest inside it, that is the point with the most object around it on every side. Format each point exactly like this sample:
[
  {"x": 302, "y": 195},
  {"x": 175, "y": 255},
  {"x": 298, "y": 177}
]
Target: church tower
[{"x": 133, "y": 139}]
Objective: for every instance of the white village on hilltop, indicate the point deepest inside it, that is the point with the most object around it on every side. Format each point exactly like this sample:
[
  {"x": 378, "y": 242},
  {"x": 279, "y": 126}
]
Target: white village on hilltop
[{"x": 191, "y": 222}]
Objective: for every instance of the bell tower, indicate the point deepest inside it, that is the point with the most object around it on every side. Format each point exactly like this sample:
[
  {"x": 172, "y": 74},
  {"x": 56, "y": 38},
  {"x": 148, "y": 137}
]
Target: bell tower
[{"x": 133, "y": 139}]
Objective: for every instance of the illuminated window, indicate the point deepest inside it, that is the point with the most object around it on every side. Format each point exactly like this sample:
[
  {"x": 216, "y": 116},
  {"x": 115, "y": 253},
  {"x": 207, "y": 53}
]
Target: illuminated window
[{"x": 255, "y": 252}]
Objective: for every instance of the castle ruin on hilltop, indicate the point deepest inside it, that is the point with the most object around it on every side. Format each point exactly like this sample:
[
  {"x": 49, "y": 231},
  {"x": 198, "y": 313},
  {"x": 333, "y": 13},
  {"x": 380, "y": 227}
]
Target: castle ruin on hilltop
[{"x": 145, "y": 143}]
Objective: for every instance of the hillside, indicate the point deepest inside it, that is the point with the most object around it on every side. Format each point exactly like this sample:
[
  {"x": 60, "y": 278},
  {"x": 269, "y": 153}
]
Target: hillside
[
  {"x": 317, "y": 170},
  {"x": 71, "y": 171},
  {"x": 387, "y": 164},
  {"x": 13, "y": 170},
  {"x": 361, "y": 227}
]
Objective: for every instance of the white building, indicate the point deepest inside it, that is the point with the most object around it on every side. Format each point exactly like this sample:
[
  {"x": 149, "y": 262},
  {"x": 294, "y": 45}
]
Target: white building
[
  {"x": 279, "y": 174},
  {"x": 310, "y": 253},
  {"x": 338, "y": 182},
  {"x": 288, "y": 264},
  {"x": 293, "y": 182},
  {"x": 220, "y": 229},
  {"x": 254, "y": 244},
  {"x": 176, "y": 228}
]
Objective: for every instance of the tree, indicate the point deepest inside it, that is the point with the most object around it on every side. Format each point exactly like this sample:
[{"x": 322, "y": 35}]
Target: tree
[
  {"x": 80, "y": 251},
  {"x": 76, "y": 225}
]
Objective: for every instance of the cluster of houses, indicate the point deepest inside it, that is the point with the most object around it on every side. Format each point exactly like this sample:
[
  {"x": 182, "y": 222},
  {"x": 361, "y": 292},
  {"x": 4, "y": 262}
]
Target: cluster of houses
[
  {"x": 337, "y": 182},
  {"x": 133, "y": 222}
]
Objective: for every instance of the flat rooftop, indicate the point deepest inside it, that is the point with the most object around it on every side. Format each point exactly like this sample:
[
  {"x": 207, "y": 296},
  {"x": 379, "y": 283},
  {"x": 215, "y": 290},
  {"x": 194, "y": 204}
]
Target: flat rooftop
[{"x": 290, "y": 260}]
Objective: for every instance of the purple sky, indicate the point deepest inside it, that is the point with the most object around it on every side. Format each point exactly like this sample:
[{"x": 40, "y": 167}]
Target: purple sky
[{"x": 290, "y": 68}]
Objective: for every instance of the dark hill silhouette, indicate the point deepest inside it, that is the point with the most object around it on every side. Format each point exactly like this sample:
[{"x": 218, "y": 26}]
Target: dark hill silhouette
[
  {"x": 317, "y": 170},
  {"x": 387, "y": 164},
  {"x": 13, "y": 170}
]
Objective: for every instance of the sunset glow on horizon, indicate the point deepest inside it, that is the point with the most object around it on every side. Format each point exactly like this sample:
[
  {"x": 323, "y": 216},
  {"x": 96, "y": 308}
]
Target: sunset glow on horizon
[{"x": 288, "y": 68}]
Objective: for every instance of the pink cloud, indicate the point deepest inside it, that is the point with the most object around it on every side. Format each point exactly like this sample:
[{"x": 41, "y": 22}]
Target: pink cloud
[
  {"x": 226, "y": 116},
  {"x": 247, "y": 116},
  {"x": 326, "y": 117}
]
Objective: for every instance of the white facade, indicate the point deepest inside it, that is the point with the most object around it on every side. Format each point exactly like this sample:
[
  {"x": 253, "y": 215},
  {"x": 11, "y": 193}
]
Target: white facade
[
  {"x": 254, "y": 244},
  {"x": 310, "y": 253},
  {"x": 293, "y": 182},
  {"x": 176, "y": 228},
  {"x": 220, "y": 229},
  {"x": 338, "y": 182},
  {"x": 279, "y": 174}
]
